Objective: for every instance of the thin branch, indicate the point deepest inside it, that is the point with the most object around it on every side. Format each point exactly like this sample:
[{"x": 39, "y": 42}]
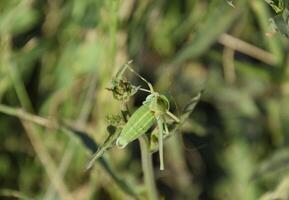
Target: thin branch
[
  {"x": 21, "y": 114},
  {"x": 147, "y": 167},
  {"x": 247, "y": 49}
]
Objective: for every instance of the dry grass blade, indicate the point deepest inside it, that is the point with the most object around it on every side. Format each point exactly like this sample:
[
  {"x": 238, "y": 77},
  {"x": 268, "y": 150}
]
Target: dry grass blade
[{"x": 248, "y": 49}]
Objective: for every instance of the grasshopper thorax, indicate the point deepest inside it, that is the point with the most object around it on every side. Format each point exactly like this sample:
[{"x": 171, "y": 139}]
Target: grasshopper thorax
[{"x": 159, "y": 104}]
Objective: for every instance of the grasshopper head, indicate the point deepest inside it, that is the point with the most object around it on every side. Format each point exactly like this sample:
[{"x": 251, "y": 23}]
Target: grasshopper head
[
  {"x": 163, "y": 102},
  {"x": 159, "y": 104}
]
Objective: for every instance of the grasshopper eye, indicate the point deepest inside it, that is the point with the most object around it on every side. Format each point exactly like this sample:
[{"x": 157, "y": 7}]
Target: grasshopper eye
[{"x": 164, "y": 102}]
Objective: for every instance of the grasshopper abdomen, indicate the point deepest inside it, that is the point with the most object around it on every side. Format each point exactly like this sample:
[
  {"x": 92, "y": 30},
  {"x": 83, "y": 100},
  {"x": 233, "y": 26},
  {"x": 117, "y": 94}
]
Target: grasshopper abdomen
[{"x": 139, "y": 123}]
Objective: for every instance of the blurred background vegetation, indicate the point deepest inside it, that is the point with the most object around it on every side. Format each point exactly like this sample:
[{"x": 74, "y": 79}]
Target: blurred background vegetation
[{"x": 58, "y": 56}]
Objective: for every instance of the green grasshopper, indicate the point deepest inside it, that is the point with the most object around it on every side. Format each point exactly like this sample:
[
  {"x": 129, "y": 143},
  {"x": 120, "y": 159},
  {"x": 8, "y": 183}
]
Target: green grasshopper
[{"x": 154, "y": 109}]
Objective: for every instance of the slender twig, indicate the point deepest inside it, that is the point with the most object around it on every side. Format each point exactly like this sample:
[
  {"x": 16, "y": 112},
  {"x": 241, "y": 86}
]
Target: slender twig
[
  {"x": 147, "y": 167},
  {"x": 20, "y": 113},
  {"x": 247, "y": 49}
]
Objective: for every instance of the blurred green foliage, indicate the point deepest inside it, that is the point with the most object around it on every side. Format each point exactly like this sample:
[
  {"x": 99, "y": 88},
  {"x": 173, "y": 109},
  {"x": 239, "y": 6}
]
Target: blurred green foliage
[
  {"x": 280, "y": 21},
  {"x": 57, "y": 58}
]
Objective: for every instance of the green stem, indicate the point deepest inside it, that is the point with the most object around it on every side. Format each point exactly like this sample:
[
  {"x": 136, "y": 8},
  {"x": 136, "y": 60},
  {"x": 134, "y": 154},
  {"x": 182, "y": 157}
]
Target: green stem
[{"x": 147, "y": 168}]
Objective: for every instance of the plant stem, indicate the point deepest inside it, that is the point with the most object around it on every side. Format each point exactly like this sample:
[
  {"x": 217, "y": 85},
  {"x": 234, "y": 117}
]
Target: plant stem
[{"x": 147, "y": 168}]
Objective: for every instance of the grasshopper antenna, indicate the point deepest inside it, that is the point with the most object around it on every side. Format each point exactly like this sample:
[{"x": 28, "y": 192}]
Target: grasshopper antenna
[{"x": 143, "y": 79}]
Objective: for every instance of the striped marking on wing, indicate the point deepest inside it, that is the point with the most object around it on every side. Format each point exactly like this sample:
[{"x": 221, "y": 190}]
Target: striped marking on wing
[{"x": 132, "y": 132}]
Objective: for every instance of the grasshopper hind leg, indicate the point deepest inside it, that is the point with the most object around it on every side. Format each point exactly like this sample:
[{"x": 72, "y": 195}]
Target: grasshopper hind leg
[
  {"x": 161, "y": 125},
  {"x": 166, "y": 129}
]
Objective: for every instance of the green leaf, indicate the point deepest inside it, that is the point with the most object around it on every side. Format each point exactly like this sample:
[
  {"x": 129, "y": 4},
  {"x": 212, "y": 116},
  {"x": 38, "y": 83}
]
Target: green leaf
[{"x": 108, "y": 143}]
